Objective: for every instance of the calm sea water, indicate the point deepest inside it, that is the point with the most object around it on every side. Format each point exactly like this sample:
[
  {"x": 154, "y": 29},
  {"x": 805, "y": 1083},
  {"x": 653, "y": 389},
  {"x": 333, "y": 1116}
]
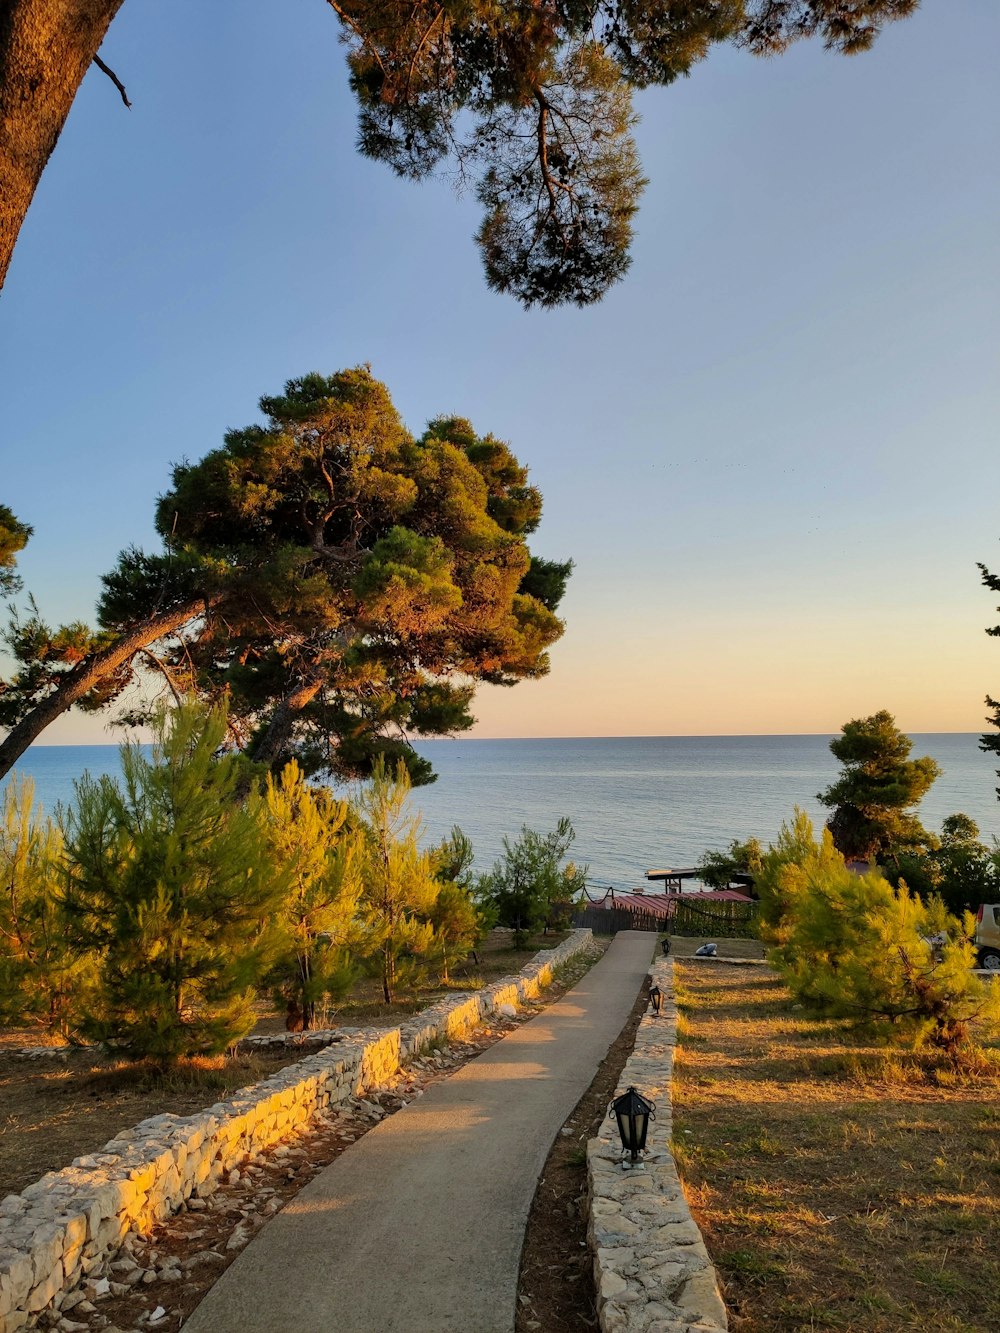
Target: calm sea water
[{"x": 636, "y": 802}]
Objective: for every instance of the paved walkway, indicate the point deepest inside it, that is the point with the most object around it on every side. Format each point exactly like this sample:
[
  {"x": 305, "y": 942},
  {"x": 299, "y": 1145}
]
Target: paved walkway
[{"x": 419, "y": 1225}]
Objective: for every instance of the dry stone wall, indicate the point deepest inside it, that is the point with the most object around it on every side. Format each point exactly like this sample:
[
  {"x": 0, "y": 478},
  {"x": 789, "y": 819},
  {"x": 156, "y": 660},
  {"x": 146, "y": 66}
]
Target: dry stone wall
[
  {"x": 64, "y": 1226},
  {"x": 651, "y": 1268}
]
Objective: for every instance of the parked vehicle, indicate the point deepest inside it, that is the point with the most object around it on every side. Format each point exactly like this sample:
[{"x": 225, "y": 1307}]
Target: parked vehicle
[{"x": 987, "y": 936}]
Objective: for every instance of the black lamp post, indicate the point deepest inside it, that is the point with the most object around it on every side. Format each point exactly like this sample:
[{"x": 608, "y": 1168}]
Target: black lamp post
[
  {"x": 633, "y": 1113},
  {"x": 655, "y": 999}
]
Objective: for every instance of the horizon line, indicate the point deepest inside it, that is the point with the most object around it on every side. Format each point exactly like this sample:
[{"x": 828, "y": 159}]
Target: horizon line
[{"x": 601, "y": 736}]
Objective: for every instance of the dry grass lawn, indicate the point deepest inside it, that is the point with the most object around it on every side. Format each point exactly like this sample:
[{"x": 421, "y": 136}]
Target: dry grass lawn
[{"x": 839, "y": 1184}]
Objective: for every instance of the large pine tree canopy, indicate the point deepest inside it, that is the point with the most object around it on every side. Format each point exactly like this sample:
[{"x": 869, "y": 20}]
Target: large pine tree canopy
[
  {"x": 342, "y": 583},
  {"x": 530, "y": 101},
  {"x": 534, "y": 101}
]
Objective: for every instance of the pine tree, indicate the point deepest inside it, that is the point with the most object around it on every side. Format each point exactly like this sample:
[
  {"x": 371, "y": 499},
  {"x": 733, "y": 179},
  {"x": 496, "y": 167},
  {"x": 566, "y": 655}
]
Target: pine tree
[
  {"x": 310, "y": 840},
  {"x": 528, "y": 885},
  {"x": 459, "y": 921},
  {"x": 532, "y": 101},
  {"x": 398, "y": 884},
  {"x": 855, "y": 947},
  {"x": 172, "y": 883},
  {"x": 341, "y": 583},
  {"x": 13, "y": 538},
  {"x": 43, "y": 980},
  {"x": 879, "y": 783}
]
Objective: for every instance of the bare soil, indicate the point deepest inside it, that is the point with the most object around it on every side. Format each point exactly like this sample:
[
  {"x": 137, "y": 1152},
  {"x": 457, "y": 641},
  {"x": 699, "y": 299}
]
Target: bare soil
[
  {"x": 56, "y": 1108},
  {"x": 839, "y": 1184}
]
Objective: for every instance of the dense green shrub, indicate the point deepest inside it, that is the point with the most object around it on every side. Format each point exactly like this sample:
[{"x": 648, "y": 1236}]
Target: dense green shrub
[
  {"x": 309, "y": 836},
  {"x": 959, "y": 869},
  {"x": 44, "y": 982},
  {"x": 529, "y": 886},
  {"x": 716, "y": 869},
  {"x": 854, "y": 946},
  {"x": 172, "y": 884},
  {"x": 398, "y": 885}
]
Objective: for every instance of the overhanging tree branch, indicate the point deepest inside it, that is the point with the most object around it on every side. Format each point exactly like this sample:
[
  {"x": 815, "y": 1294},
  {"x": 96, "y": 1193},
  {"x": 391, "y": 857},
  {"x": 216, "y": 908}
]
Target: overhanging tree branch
[
  {"x": 114, "y": 79},
  {"x": 89, "y": 673}
]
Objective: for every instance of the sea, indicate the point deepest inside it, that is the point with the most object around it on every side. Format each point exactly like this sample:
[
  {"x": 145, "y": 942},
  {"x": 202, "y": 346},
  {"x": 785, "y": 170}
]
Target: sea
[{"x": 636, "y": 803}]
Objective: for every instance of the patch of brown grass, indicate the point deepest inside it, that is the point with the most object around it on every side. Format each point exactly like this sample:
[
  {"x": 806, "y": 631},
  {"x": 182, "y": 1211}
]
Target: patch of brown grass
[
  {"x": 62, "y": 1106},
  {"x": 364, "y": 1006},
  {"x": 55, "y": 1109},
  {"x": 839, "y": 1184},
  {"x": 683, "y": 946}
]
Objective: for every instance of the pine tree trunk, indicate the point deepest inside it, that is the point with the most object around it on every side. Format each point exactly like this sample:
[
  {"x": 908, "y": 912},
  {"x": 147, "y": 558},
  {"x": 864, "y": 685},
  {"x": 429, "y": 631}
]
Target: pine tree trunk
[
  {"x": 308, "y": 1006},
  {"x": 387, "y": 972},
  {"x": 46, "y": 47},
  {"x": 282, "y": 720},
  {"x": 88, "y": 673}
]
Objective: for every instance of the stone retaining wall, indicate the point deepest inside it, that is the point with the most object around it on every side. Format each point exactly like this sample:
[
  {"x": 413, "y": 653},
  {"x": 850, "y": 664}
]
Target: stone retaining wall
[
  {"x": 651, "y": 1268},
  {"x": 62, "y": 1228}
]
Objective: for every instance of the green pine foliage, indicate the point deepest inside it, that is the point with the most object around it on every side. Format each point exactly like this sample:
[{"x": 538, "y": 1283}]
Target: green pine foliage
[
  {"x": 14, "y": 537},
  {"x": 533, "y": 103},
  {"x": 879, "y": 784},
  {"x": 852, "y": 945},
  {"x": 313, "y": 845},
  {"x": 343, "y": 583},
  {"x": 398, "y": 885},
  {"x": 960, "y": 870},
  {"x": 716, "y": 869},
  {"x": 793, "y": 845},
  {"x": 823, "y": 918},
  {"x": 376, "y": 576},
  {"x": 460, "y": 921},
  {"x": 529, "y": 887},
  {"x": 172, "y": 885},
  {"x": 44, "y": 982},
  {"x": 458, "y": 926}
]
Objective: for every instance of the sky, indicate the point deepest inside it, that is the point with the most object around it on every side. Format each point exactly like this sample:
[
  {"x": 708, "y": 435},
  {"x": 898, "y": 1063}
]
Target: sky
[{"x": 771, "y": 450}]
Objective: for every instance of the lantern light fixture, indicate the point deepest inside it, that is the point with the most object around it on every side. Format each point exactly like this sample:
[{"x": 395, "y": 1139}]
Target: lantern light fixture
[
  {"x": 665, "y": 945},
  {"x": 633, "y": 1113},
  {"x": 655, "y": 999}
]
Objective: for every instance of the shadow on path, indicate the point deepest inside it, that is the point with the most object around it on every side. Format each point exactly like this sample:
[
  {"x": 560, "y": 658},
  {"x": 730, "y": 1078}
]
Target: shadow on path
[{"x": 419, "y": 1226}]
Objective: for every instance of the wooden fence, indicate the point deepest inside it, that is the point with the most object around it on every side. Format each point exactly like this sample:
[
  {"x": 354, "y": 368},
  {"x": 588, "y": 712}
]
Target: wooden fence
[
  {"x": 728, "y": 920},
  {"x": 610, "y": 920}
]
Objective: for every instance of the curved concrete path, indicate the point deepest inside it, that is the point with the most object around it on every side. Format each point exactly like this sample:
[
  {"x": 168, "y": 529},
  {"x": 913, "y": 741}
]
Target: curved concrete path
[{"x": 419, "y": 1225}]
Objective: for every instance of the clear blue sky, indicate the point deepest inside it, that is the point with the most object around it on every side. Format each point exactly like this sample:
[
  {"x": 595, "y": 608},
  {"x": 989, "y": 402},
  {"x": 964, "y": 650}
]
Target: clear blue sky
[{"x": 772, "y": 451}]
